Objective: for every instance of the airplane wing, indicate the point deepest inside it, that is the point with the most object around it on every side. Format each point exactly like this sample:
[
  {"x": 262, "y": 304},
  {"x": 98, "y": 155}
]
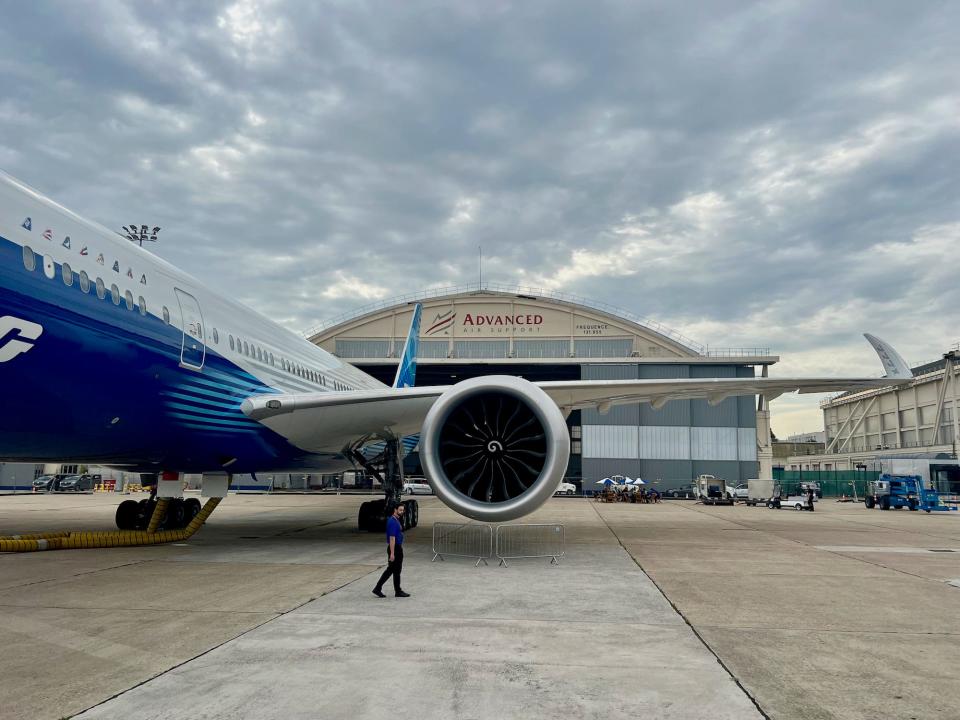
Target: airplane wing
[{"x": 323, "y": 422}]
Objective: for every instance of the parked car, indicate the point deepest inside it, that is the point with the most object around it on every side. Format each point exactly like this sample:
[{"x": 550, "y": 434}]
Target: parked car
[
  {"x": 740, "y": 491},
  {"x": 44, "y": 483},
  {"x": 815, "y": 486},
  {"x": 76, "y": 483},
  {"x": 417, "y": 488},
  {"x": 566, "y": 488},
  {"x": 684, "y": 491}
]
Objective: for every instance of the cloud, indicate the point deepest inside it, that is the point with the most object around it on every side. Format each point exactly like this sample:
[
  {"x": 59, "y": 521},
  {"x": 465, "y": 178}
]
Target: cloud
[{"x": 778, "y": 175}]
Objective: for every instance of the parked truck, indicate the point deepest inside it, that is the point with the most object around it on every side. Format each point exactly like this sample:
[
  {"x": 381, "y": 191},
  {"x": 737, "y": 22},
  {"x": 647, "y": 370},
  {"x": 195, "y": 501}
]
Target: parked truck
[{"x": 760, "y": 492}]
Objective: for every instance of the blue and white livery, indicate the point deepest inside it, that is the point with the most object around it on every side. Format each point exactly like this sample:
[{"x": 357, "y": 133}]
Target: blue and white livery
[{"x": 110, "y": 355}]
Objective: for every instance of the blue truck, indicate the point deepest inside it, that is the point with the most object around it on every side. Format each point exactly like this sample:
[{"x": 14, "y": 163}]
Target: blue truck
[{"x": 901, "y": 491}]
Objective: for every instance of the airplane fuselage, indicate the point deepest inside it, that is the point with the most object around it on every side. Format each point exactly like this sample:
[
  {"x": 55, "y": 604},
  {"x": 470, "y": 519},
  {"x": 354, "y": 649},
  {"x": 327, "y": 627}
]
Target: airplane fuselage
[{"x": 110, "y": 355}]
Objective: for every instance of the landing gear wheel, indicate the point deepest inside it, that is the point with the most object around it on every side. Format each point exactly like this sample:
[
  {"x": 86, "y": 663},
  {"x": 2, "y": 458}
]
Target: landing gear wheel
[
  {"x": 176, "y": 515},
  {"x": 363, "y": 517},
  {"x": 415, "y": 512},
  {"x": 126, "y": 516},
  {"x": 192, "y": 508},
  {"x": 144, "y": 511},
  {"x": 407, "y": 516}
]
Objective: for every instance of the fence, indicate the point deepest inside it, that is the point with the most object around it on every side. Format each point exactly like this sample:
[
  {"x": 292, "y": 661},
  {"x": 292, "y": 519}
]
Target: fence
[
  {"x": 530, "y": 541},
  {"x": 463, "y": 540},
  {"x": 473, "y": 540},
  {"x": 833, "y": 483}
]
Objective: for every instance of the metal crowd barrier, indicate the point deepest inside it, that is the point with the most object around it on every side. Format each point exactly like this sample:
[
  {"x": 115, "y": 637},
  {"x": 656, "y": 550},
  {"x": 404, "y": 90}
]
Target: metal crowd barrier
[
  {"x": 530, "y": 541},
  {"x": 462, "y": 540}
]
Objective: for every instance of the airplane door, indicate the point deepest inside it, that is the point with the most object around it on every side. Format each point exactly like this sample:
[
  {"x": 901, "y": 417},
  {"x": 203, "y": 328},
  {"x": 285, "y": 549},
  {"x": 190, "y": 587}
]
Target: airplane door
[{"x": 193, "y": 351}]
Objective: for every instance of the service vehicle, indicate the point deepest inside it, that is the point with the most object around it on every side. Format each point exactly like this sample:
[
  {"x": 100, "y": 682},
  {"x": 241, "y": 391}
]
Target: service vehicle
[
  {"x": 761, "y": 492},
  {"x": 712, "y": 491},
  {"x": 797, "y": 502},
  {"x": 739, "y": 492},
  {"x": 902, "y": 491},
  {"x": 417, "y": 488},
  {"x": 566, "y": 488}
]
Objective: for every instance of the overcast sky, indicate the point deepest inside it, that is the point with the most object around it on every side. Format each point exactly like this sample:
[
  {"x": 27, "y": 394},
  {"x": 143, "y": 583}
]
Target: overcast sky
[{"x": 775, "y": 174}]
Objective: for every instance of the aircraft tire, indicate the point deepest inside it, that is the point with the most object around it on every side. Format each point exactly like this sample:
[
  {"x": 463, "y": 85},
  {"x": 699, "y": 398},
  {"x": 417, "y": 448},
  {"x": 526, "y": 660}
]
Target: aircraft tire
[
  {"x": 193, "y": 508},
  {"x": 126, "y": 517},
  {"x": 144, "y": 511},
  {"x": 415, "y": 512},
  {"x": 176, "y": 514},
  {"x": 362, "y": 517}
]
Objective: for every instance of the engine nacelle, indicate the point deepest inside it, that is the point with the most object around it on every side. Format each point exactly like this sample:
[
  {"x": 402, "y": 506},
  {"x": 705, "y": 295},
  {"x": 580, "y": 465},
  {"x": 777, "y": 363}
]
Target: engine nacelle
[{"x": 494, "y": 448}]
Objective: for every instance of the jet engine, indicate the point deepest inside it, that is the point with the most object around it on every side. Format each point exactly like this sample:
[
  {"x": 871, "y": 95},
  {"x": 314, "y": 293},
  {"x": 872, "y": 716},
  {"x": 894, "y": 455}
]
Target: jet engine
[{"x": 494, "y": 448}]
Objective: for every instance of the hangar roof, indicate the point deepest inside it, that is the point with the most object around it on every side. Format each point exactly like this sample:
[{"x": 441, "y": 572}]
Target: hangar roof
[{"x": 503, "y": 323}]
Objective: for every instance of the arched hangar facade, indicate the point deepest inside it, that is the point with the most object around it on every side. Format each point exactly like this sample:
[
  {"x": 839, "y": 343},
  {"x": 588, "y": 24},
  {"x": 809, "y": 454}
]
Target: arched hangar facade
[{"x": 540, "y": 335}]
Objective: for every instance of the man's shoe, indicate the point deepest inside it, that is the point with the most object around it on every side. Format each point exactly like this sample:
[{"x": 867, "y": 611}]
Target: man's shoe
[
  {"x": 403, "y": 594},
  {"x": 378, "y": 593}
]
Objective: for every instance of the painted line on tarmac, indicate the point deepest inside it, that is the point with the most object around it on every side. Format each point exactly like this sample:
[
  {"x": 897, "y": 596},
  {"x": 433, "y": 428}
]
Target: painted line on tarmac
[
  {"x": 881, "y": 549},
  {"x": 677, "y": 610}
]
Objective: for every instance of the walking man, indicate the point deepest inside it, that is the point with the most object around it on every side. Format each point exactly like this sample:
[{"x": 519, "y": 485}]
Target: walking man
[
  {"x": 394, "y": 554},
  {"x": 810, "y": 498}
]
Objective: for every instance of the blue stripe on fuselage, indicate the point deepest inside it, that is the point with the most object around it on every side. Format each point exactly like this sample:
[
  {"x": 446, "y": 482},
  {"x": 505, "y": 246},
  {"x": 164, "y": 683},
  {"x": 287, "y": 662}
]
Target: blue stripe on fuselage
[{"x": 103, "y": 384}]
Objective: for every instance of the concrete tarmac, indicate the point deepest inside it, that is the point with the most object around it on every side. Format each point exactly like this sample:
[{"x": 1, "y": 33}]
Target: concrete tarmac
[{"x": 665, "y": 611}]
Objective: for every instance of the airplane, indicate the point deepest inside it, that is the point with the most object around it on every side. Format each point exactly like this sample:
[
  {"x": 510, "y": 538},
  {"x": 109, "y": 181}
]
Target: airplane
[{"x": 111, "y": 356}]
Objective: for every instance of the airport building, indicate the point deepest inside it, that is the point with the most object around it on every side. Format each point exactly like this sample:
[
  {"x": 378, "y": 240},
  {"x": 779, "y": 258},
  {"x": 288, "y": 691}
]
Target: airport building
[
  {"x": 542, "y": 335},
  {"x": 917, "y": 419}
]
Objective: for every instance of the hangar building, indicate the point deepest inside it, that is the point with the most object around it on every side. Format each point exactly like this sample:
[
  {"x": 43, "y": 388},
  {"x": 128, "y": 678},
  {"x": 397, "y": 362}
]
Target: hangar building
[
  {"x": 543, "y": 335},
  {"x": 921, "y": 418}
]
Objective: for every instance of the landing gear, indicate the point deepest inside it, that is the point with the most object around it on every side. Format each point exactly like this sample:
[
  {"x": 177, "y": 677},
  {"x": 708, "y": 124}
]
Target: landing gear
[
  {"x": 133, "y": 515},
  {"x": 372, "y": 516},
  {"x": 388, "y": 469}
]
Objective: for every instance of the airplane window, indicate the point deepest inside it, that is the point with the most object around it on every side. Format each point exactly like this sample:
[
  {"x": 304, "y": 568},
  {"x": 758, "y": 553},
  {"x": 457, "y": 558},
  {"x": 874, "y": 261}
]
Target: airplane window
[
  {"x": 128, "y": 297},
  {"x": 259, "y": 354},
  {"x": 142, "y": 304},
  {"x": 67, "y": 274},
  {"x": 231, "y": 342},
  {"x": 216, "y": 336},
  {"x": 115, "y": 294},
  {"x": 102, "y": 289},
  {"x": 166, "y": 313},
  {"x": 246, "y": 348},
  {"x": 29, "y": 259},
  {"x": 84, "y": 281},
  {"x": 271, "y": 359}
]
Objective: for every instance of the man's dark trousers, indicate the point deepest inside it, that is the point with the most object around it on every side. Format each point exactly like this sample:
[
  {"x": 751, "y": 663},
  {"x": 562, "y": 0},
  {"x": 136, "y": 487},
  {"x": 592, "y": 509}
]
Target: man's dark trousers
[{"x": 394, "y": 567}]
